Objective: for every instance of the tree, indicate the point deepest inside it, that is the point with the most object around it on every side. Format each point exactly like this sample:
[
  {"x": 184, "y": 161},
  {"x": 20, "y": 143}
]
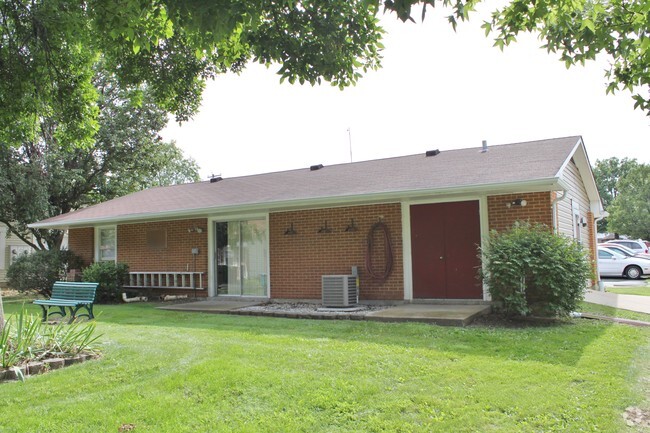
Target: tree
[
  {"x": 45, "y": 178},
  {"x": 48, "y": 49},
  {"x": 630, "y": 210},
  {"x": 607, "y": 173}
]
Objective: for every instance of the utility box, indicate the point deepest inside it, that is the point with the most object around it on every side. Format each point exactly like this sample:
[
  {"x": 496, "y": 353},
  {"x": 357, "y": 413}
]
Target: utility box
[{"x": 340, "y": 290}]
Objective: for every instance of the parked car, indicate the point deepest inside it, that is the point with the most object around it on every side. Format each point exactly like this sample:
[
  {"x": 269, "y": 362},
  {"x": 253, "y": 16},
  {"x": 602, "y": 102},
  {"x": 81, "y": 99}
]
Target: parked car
[
  {"x": 637, "y": 245},
  {"x": 624, "y": 250},
  {"x": 615, "y": 264}
]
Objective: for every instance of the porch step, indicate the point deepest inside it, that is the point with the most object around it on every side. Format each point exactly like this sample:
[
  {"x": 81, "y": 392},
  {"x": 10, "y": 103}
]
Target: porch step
[{"x": 439, "y": 314}]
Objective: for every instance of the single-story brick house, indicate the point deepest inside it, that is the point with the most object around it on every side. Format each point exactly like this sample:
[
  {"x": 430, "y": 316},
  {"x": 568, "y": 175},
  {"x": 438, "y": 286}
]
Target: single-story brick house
[{"x": 274, "y": 235}]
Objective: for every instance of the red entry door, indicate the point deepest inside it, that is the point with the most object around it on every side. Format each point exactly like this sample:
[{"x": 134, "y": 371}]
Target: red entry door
[{"x": 444, "y": 240}]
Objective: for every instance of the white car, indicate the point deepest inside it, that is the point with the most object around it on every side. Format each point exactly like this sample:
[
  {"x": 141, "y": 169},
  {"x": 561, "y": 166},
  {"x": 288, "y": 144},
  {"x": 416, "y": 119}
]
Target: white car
[
  {"x": 614, "y": 264},
  {"x": 624, "y": 250},
  {"x": 638, "y": 245}
]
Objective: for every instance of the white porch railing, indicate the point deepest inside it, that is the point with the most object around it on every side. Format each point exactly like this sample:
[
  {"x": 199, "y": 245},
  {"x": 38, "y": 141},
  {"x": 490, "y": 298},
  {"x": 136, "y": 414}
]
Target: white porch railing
[{"x": 166, "y": 280}]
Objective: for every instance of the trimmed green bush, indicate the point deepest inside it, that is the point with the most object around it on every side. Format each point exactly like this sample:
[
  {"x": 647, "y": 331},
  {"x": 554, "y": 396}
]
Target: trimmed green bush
[
  {"x": 530, "y": 270},
  {"x": 40, "y": 269},
  {"x": 110, "y": 276}
]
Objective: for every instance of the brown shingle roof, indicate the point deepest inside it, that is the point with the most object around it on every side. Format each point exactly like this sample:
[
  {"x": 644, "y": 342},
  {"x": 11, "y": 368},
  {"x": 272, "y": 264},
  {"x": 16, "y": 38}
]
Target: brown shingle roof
[{"x": 449, "y": 170}]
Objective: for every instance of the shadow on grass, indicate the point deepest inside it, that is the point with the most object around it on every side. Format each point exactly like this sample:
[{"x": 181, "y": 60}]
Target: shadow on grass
[{"x": 558, "y": 344}]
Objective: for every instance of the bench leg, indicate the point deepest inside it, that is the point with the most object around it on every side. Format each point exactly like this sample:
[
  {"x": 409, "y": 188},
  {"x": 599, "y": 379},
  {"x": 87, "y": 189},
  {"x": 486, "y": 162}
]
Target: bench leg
[
  {"x": 89, "y": 309},
  {"x": 44, "y": 312}
]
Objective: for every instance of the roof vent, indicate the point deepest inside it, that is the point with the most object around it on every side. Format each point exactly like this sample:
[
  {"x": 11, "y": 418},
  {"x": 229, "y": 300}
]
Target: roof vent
[
  {"x": 214, "y": 179},
  {"x": 316, "y": 167},
  {"x": 432, "y": 152},
  {"x": 484, "y": 148}
]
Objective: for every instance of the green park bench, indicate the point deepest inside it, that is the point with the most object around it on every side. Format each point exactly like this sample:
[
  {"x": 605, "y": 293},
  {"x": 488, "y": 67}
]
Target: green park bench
[{"x": 72, "y": 296}]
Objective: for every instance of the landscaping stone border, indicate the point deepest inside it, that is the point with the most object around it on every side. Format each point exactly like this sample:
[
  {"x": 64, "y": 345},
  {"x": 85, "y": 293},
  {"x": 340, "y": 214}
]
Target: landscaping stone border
[{"x": 40, "y": 367}]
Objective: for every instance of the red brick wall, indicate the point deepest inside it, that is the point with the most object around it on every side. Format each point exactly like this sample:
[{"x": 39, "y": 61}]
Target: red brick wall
[
  {"x": 82, "y": 243},
  {"x": 298, "y": 261},
  {"x": 537, "y": 210},
  {"x": 176, "y": 257}
]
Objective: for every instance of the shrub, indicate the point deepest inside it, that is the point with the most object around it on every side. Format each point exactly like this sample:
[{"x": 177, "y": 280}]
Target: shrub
[
  {"x": 110, "y": 276},
  {"x": 533, "y": 271},
  {"x": 40, "y": 269}
]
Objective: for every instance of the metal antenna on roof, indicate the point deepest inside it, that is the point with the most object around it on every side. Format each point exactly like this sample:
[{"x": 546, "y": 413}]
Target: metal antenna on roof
[{"x": 350, "y": 142}]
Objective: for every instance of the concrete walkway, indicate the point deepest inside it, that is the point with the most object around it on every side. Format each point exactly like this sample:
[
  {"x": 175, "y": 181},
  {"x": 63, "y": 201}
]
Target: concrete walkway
[{"x": 640, "y": 304}]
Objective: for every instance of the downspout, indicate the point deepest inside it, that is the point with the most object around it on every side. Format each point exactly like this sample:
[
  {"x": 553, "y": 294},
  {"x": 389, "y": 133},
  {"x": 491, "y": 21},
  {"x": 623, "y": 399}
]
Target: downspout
[
  {"x": 600, "y": 284},
  {"x": 554, "y": 203}
]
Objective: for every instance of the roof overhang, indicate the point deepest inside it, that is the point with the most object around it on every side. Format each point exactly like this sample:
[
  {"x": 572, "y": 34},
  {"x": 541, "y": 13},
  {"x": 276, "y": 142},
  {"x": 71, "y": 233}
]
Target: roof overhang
[
  {"x": 538, "y": 185},
  {"x": 581, "y": 159}
]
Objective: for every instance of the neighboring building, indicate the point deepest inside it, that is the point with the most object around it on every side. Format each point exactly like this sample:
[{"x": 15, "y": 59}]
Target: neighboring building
[
  {"x": 10, "y": 248},
  {"x": 274, "y": 235}
]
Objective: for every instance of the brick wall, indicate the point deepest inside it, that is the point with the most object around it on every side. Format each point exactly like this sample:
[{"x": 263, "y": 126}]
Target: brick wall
[
  {"x": 175, "y": 257},
  {"x": 82, "y": 243},
  {"x": 298, "y": 261},
  {"x": 537, "y": 210}
]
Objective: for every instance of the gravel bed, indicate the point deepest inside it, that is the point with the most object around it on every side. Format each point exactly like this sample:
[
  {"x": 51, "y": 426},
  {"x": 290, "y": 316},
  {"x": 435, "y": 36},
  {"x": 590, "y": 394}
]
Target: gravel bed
[{"x": 311, "y": 309}]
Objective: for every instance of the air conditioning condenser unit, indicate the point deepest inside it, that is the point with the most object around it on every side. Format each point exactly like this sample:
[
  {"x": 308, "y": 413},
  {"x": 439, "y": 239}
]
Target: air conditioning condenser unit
[{"x": 340, "y": 290}]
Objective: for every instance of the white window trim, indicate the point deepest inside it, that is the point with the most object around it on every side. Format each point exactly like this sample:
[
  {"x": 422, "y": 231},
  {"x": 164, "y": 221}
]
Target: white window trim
[
  {"x": 97, "y": 237},
  {"x": 212, "y": 290},
  {"x": 575, "y": 221}
]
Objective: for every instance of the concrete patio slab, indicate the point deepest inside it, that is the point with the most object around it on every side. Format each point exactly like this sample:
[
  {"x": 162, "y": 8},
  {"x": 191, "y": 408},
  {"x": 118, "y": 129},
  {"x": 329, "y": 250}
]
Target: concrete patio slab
[
  {"x": 210, "y": 306},
  {"x": 439, "y": 314}
]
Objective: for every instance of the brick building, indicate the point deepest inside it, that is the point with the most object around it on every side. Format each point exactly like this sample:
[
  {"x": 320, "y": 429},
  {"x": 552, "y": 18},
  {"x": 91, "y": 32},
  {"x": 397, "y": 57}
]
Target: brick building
[{"x": 409, "y": 225}]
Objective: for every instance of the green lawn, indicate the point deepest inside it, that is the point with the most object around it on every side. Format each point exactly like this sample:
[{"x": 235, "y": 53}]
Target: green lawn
[
  {"x": 641, "y": 291},
  {"x": 166, "y": 371}
]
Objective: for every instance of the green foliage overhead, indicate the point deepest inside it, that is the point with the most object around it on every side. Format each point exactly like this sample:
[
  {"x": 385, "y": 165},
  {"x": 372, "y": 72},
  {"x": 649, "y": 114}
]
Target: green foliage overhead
[
  {"x": 533, "y": 271},
  {"x": 48, "y": 49},
  {"x": 630, "y": 210},
  {"x": 110, "y": 276},
  {"x": 45, "y": 178}
]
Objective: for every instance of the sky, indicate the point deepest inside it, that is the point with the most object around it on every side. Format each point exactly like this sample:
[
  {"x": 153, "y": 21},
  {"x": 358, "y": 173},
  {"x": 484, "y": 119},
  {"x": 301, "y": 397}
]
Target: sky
[{"x": 436, "y": 90}]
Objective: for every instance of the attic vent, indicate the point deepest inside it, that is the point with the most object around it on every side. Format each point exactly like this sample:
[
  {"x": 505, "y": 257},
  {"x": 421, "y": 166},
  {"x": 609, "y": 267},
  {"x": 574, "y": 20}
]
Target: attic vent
[
  {"x": 432, "y": 152},
  {"x": 215, "y": 179},
  {"x": 316, "y": 167}
]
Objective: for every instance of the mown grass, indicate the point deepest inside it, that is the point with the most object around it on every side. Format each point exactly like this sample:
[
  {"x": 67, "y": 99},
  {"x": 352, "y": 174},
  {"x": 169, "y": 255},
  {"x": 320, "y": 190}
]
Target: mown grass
[
  {"x": 639, "y": 291},
  {"x": 166, "y": 371}
]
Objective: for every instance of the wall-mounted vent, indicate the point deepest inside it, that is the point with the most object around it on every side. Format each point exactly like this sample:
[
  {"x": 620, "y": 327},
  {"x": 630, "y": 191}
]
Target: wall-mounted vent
[
  {"x": 340, "y": 290},
  {"x": 316, "y": 167},
  {"x": 214, "y": 179},
  {"x": 432, "y": 152}
]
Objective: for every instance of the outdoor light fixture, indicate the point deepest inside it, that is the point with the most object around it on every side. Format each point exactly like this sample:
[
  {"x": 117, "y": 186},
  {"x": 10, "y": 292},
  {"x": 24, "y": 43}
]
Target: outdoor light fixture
[
  {"x": 195, "y": 229},
  {"x": 583, "y": 221},
  {"x": 519, "y": 202}
]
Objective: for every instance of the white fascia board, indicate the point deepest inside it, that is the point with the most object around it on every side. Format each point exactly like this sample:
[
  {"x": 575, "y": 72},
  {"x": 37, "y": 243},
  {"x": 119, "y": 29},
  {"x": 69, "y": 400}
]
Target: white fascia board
[
  {"x": 547, "y": 184},
  {"x": 581, "y": 159}
]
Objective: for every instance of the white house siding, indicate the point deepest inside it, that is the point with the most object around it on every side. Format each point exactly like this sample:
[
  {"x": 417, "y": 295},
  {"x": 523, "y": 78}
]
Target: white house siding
[
  {"x": 576, "y": 195},
  {"x": 7, "y": 245}
]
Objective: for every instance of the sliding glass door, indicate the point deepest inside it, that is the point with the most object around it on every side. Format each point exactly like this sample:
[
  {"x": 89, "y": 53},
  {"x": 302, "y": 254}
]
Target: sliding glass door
[{"x": 241, "y": 258}]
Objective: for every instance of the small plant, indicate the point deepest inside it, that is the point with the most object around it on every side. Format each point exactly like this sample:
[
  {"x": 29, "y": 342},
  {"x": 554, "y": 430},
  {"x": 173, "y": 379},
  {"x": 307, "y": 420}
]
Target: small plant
[
  {"x": 40, "y": 269},
  {"x": 24, "y": 338},
  {"x": 530, "y": 270},
  {"x": 110, "y": 276}
]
